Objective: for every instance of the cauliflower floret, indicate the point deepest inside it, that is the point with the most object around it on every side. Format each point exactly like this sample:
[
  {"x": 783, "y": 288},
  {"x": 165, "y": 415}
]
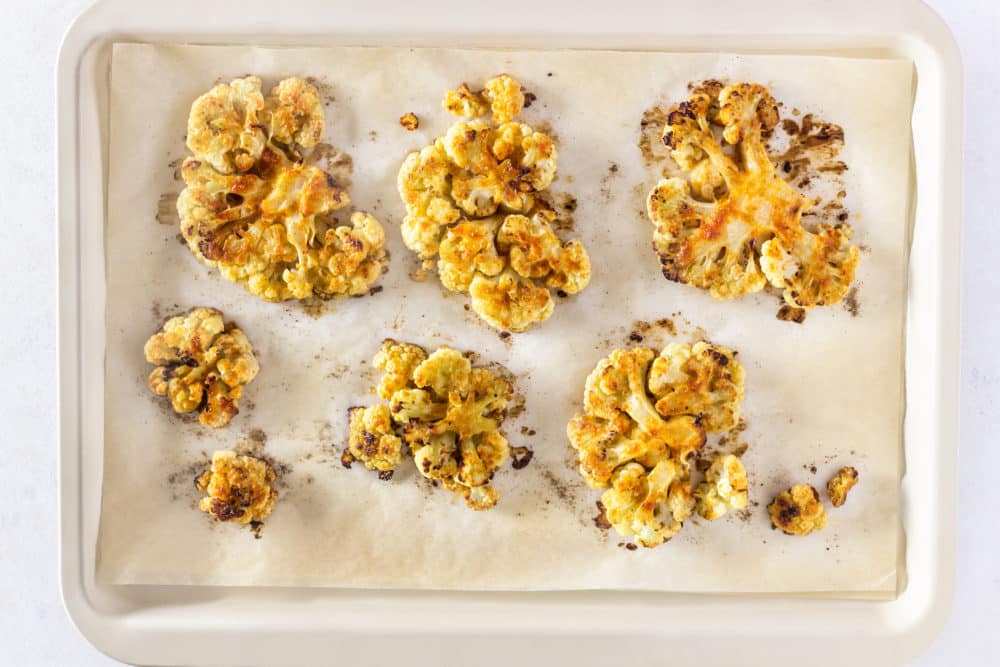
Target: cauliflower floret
[
  {"x": 701, "y": 379},
  {"x": 448, "y": 413},
  {"x": 295, "y": 113},
  {"x": 748, "y": 230},
  {"x": 502, "y": 95},
  {"x": 462, "y": 195},
  {"x": 397, "y": 361},
  {"x": 464, "y": 102},
  {"x": 651, "y": 506},
  {"x": 270, "y": 229},
  {"x": 372, "y": 440},
  {"x": 724, "y": 488},
  {"x": 224, "y": 127},
  {"x": 840, "y": 484},
  {"x": 469, "y": 248},
  {"x": 536, "y": 252},
  {"x": 797, "y": 511},
  {"x": 238, "y": 488},
  {"x": 202, "y": 364},
  {"x": 505, "y": 96},
  {"x": 509, "y": 302}
]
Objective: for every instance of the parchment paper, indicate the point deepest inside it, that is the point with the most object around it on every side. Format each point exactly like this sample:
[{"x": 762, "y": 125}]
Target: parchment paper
[{"x": 824, "y": 393}]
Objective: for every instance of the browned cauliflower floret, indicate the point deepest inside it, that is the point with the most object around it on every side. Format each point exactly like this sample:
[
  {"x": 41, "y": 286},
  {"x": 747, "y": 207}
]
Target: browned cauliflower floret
[
  {"x": 725, "y": 488},
  {"x": 736, "y": 225},
  {"x": 238, "y": 488},
  {"x": 700, "y": 379},
  {"x": 632, "y": 438},
  {"x": 536, "y": 252},
  {"x": 202, "y": 364},
  {"x": 448, "y": 413},
  {"x": 397, "y": 361},
  {"x": 470, "y": 199},
  {"x": 797, "y": 511},
  {"x": 269, "y": 225},
  {"x": 840, "y": 484},
  {"x": 650, "y": 505},
  {"x": 502, "y": 95},
  {"x": 295, "y": 113},
  {"x": 224, "y": 127},
  {"x": 372, "y": 440},
  {"x": 510, "y": 302}
]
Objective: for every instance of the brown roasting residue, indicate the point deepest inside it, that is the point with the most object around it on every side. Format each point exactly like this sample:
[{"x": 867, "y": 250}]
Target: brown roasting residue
[
  {"x": 787, "y": 313},
  {"x": 650, "y": 134}
]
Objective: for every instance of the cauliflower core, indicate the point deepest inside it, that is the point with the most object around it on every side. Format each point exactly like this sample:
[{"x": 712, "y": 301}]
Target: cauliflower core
[
  {"x": 840, "y": 484},
  {"x": 253, "y": 209},
  {"x": 644, "y": 416},
  {"x": 797, "y": 511},
  {"x": 238, "y": 488},
  {"x": 448, "y": 414},
  {"x": 735, "y": 225},
  {"x": 471, "y": 203},
  {"x": 202, "y": 364}
]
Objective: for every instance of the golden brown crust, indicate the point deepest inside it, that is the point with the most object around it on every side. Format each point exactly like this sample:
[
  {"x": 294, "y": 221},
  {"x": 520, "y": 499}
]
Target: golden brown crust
[
  {"x": 202, "y": 364},
  {"x": 797, "y": 511},
  {"x": 840, "y": 484},
  {"x": 471, "y": 201},
  {"x": 262, "y": 216},
  {"x": 239, "y": 489},
  {"x": 736, "y": 226}
]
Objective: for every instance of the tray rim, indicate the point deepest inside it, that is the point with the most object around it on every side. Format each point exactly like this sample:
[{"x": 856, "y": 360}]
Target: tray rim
[{"x": 895, "y": 629}]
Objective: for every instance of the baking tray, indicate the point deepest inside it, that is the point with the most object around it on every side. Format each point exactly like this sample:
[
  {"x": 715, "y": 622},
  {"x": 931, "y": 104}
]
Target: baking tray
[{"x": 268, "y": 626}]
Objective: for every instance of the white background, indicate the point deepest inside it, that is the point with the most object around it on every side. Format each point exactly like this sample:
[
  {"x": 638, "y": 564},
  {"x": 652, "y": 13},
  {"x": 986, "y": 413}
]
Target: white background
[{"x": 34, "y": 629}]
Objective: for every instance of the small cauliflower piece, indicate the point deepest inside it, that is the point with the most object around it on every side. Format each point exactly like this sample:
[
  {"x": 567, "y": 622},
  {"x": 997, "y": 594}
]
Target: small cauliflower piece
[
  {"x": 224, "y": 127},
  {"x": 271, "y": 228},
  {"x": 446, "y": 411},
  {"x": 409, "y": 121},
  {"x": 840, "y": 484},
  {"x": 239, "y": 489},
  {"x": 202, "y": 364},
  {"x": 797, "y": 511},
  {"x": 725, "y": 488},
  {"x": 372, "y": 439},
  {"x": 734, "y": 225},
  {"x": 471, "y": 202},
  {"x": 701, "y": 379}
]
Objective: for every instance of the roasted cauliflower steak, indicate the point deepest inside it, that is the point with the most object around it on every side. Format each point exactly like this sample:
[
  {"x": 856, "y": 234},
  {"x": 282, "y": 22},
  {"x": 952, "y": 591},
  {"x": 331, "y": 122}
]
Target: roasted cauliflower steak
[
  {"x": 635, "y": 437},
  {"x": 447, "y": 412},
  {"x": 256, "y": 211},
  {"x": 202, "y": 363},
  {"x": 734, "y": 225},
  {"x": 238, "y": 488},
  {"x": 471, "y": 205}
]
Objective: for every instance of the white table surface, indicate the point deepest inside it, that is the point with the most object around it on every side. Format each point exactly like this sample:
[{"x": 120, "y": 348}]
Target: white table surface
[{"x": 34, "y": 629}]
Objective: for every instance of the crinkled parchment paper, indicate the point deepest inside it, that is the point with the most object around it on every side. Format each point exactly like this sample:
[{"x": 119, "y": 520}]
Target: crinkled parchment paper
[{"x": 823, "y": 393}]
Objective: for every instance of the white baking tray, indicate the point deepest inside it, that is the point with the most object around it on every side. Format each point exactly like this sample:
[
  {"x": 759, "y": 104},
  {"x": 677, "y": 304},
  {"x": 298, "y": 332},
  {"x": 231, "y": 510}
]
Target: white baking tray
[{"x": 272, "y": 626}]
